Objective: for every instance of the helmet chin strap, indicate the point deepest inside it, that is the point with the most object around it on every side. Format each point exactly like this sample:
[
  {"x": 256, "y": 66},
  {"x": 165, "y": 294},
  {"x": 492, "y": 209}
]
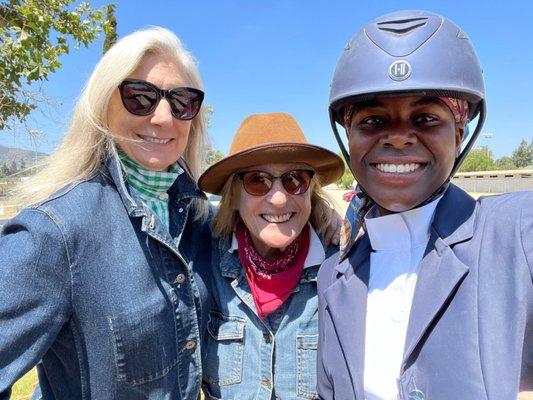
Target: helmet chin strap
[{"x": 442, "y": 188}]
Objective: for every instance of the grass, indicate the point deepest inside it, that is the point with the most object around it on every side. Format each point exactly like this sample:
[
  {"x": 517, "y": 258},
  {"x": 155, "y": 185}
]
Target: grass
[{"x": 23, "y": 389}]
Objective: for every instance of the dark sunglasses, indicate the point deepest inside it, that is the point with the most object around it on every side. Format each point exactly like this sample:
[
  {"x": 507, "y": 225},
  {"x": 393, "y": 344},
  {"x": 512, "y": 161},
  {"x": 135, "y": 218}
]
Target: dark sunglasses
[
  {"x": 141, "y": 98},
  {"x": 259, "y": 183}
]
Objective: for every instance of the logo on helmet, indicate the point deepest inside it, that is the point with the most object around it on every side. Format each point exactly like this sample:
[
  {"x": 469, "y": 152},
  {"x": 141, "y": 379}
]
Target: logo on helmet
[{"x": 400, "y": 70}]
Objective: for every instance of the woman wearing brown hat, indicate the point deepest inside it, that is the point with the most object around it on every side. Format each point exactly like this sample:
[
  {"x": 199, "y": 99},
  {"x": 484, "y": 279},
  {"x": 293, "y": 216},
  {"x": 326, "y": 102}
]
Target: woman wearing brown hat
[{"x": 267, "y": 249}]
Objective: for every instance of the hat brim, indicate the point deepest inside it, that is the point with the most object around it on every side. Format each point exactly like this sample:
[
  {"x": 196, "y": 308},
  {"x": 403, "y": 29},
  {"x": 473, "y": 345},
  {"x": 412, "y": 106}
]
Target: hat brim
[{"x": 328, "y": 165}]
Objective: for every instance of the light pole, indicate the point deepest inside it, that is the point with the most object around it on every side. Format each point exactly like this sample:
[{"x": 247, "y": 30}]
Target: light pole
[{"x": 487, "y": 137}]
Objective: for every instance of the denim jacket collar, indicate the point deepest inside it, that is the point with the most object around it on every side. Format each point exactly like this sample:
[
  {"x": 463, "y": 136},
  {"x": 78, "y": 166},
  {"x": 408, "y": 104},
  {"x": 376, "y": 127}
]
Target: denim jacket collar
[{"x": 183, "y": 188}]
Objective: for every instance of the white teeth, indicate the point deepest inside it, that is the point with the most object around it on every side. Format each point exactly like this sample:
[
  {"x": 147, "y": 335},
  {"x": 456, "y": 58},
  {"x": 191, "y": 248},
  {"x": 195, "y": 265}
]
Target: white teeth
[
  {"x": 155, "y": 140},
  {"x": 398, "y": 168},
  {"x": 277, "y": 218}
]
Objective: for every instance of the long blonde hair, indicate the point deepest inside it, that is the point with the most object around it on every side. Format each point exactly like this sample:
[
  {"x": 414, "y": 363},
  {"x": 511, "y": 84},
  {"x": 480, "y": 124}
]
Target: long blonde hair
[{"x": 88, "y": 140}]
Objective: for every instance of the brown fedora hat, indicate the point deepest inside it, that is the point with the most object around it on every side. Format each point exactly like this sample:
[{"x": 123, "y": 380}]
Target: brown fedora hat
[{"x": 269, "y": 139}]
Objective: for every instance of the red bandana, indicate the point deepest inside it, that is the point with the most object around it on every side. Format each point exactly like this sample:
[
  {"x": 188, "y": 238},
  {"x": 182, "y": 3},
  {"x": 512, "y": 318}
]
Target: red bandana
[{"x": 271, "y": 283}]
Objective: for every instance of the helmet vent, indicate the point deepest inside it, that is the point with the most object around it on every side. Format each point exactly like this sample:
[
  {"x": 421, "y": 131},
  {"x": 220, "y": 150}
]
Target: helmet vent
[{"x": 402, "y": 26}]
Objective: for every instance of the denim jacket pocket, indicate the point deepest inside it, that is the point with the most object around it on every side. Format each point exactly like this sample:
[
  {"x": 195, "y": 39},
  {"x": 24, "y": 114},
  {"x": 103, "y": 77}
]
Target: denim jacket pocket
[
  {"x": 144, "y": 346},
  {"x": 306, "y": 351},
  {"x": 225, "y": 347}
]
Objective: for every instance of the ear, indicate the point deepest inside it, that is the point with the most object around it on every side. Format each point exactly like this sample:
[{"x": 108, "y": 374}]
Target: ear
[{"x": 459, "y": 135}]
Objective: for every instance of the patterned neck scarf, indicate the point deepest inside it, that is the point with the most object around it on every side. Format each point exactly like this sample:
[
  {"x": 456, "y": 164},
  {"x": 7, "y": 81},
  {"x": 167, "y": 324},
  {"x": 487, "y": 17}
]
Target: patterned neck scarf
[
  {"x": 151, "y": 186},
  {"x": 271, "y": 283}
]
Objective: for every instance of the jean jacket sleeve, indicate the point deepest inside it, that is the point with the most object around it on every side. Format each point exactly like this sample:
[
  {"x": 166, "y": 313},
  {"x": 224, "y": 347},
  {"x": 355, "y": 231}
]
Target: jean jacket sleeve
[{"x": 35, "y": 292}]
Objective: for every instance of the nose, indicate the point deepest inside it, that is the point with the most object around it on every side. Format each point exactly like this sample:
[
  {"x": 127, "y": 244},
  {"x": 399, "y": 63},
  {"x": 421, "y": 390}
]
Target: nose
[
  {"x": 162, "y": 114},
  {"x": 277, "y": 195},
  {"x": 400, "y": 137}
]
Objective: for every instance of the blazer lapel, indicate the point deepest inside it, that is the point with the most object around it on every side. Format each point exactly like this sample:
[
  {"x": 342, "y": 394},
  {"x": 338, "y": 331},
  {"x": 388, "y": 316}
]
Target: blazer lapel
[
  {"x": 441, "y": 272},
  {"x": 346, "y": 304}
]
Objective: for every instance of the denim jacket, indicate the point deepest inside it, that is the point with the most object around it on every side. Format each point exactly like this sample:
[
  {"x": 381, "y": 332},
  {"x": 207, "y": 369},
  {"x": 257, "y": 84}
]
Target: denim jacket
[
  {"x": 93, "y": 285},
  {"x": 246, "y": 357}
]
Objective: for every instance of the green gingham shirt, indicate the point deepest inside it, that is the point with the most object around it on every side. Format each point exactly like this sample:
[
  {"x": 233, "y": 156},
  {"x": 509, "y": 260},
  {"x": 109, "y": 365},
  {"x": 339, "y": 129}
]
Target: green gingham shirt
[{"x": 151, "y": 186}]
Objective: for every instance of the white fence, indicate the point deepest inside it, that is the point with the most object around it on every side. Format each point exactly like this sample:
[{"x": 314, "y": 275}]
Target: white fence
[{"x": 494, "y": 181}]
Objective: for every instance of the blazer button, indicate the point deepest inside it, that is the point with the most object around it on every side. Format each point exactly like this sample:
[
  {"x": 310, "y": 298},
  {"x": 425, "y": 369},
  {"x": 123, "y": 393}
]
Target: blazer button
[
  {"x": 180, "y": 278},
  {"x": 416, "y": 395}
]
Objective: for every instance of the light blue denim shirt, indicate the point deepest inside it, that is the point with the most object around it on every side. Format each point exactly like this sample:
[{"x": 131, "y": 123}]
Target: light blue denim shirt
[
  {"x": 246, "y": 357},
  {"x": 94, "y": 285}
]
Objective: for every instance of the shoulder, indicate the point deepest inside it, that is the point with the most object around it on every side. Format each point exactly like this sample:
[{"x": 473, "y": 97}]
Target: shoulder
[
  {"x": 327, "y": 272},
  {"x": 505, "y": 212},
  {"x": 515, "y": 203},
  {"x": 505, "y": 222},
  {"x": 79, "y": 202}
]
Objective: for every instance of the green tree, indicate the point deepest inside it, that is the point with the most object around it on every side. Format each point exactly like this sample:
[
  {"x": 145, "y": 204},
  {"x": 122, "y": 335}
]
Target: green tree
[
  {"x": 504, "y": 163},
  {"x": 110, "y": 27},
  {"x": 523, "y": 155},
  {"x": 34, "y": 34},
  {"x": 346, "y": 181},
  {"x": 478, "y": 160},
  {"x": 212, "y": 155}
]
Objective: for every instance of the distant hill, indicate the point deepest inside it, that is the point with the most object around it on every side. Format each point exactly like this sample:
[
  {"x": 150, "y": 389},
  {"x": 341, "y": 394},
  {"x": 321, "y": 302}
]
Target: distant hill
[{"x": 8, "y": 154}]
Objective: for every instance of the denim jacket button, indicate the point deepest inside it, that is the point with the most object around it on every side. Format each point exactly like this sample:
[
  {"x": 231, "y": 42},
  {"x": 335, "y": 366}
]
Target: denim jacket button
[
  {"x": 267, "y": 336},
  {"x": 191, "y": 344},
  {"x": 180, "y": 210},
  {"x": 267, "y": 383},
  {"x": 180, "y": 278}
]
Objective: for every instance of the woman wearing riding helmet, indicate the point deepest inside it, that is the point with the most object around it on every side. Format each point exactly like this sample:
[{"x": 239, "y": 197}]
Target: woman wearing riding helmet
[{"x": 431, "y": 295}]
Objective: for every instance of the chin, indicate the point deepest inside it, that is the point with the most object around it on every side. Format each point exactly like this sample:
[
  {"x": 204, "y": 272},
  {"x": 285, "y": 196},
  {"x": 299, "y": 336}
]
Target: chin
[
  {"x": 157, "y": 164},
  {"x": 395, "y": 206},
  {"x": 277, "y": 242}
]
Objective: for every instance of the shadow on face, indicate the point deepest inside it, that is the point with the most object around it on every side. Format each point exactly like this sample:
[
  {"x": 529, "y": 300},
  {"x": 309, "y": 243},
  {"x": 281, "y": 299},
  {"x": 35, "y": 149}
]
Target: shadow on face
[
  {"x": 276, "y": 218},
  {"x": 157, "y": 140},
  {"x": 402, "y": 149}
]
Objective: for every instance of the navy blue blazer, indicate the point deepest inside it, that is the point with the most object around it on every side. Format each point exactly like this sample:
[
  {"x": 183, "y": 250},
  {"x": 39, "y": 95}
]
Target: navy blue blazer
[{"x": 470, "y": 333}]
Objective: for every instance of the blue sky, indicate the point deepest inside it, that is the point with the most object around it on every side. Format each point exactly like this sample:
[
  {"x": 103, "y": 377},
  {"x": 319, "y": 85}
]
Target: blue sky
[{"x": 266, "y": 56}]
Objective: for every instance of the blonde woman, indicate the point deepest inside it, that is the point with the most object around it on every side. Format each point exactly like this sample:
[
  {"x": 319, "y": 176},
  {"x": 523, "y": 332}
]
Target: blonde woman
[{"x": 102, "y": 272}]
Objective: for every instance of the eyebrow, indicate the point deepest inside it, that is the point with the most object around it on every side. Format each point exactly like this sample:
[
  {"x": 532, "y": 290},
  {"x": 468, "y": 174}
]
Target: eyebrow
[
  {"x": 425, "y": 101},
  {"x": 379, "y": 104},
  {"x": 360, "y": 106}
]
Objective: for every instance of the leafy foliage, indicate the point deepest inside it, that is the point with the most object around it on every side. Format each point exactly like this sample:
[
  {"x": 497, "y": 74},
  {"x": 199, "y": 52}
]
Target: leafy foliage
[
  {"x": 213, "y": 155},
  {"x": 478, "y": 160},
  {"x": 34, "y": 34},
  {"x": 10, "y": 168},
  {"x": 504, "y": 163},
  {"x": 110, "y": 28},
  {"x": 347, "y": 179},
  {"x": 523, "y": 155}
]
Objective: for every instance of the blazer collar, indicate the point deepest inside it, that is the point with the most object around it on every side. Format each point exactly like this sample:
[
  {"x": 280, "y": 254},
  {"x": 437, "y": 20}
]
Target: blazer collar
[
  {"x": 441, "y": 271},
  {"x": 440, "y": 274},
  {"x": 453, "y": 221}
]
